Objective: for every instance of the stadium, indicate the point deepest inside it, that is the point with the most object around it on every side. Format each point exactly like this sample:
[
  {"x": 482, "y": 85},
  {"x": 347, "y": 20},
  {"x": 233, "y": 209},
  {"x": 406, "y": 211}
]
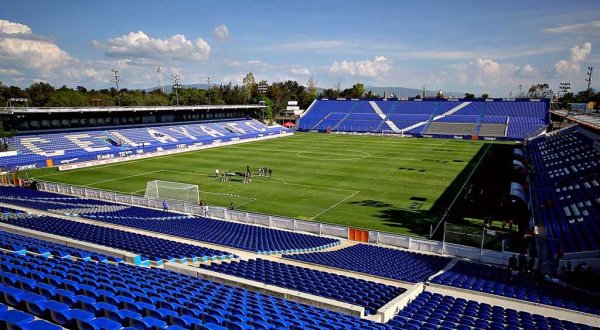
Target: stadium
[{"x": 369, "y": 212}]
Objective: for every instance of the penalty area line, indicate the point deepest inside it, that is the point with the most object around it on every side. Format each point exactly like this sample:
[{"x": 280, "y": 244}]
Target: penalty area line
[
  {"x": 119, "y": 178},
  {"x": 336, "y": 204}
]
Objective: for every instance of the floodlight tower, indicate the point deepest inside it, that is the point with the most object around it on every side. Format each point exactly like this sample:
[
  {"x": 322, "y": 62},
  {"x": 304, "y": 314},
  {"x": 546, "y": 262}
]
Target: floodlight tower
[
  {"x": 209, "y": 88},
  {"x": 589, "y": 78},
  {"x": 176, "y": 79},
  {"x": 116, "y": 79},
  {"x": 161, "y": 84}
]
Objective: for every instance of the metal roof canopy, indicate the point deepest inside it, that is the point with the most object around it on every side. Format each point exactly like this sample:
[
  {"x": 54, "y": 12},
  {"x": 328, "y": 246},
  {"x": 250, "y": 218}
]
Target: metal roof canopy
[{"x": 32, "y": 110}]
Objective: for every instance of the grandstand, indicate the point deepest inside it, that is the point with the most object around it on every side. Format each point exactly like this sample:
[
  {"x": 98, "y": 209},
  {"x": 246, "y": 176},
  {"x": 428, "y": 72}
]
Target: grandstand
[
  {"x": 567, "y": 187},
  {"x": 490, "y": 118},
  {"x": 72, "y": 257}
]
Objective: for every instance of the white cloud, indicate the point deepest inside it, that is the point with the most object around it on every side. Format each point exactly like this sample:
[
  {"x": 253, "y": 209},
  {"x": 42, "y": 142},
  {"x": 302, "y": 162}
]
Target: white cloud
[
  {"x": 591, "y": 27},
  {"x": 27, "y": 54},
  {"x": 140, "y": 45},
  {"x": 10, "y": 72},
  {"x": 235, "y": 79},
  {"x": 527, "y": 71},
  {"x": 28, "y": 58},
  {"x": 488, "y": 73},
  {"x": 308, "y": 45},
  {"x": 367, "y": 68},
  {"x": 248, "y": 65},
  {"x": 221, "y": 32},
  {"x": 300, "y": 71},
  {"x": 8, "y": 27},
  {"x": 573, "y": 65},
  {"x": 488, "y": 67}
]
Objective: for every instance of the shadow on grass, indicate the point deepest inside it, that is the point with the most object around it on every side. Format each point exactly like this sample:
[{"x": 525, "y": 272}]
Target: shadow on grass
[{"x": 417, "y": 221}]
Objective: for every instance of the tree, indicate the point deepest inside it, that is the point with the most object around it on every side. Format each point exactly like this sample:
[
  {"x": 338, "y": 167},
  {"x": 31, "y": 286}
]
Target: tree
[
  {"x": 312, "y": 86},
  {"x": 538, "y": 91},
  {"x": 65, "y": 97},
  {"x": 485, "y": 96},
  {"x": 330, "y": 93},
  {"x": 249, "y": 85},
  {"x": 469, "y": 96},
  {"x": 371, "y": 95},
  {"x": 357, "y": 91},
  {"x": 4, "y": 133},
  {"x": 39, "y": 93}
]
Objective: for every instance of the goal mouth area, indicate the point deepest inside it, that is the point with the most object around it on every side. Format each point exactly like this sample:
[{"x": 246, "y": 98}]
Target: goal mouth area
[{"x": 172, "y": 191}]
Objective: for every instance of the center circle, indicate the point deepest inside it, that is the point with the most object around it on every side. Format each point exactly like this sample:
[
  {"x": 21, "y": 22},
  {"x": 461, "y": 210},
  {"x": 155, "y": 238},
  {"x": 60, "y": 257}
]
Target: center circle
[{"x": 346, "y": 155}]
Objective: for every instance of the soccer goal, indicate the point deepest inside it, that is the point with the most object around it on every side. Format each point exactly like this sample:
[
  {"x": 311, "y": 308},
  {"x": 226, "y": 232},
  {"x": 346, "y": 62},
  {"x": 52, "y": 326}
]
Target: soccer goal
[{"x": 173, "y": 191}]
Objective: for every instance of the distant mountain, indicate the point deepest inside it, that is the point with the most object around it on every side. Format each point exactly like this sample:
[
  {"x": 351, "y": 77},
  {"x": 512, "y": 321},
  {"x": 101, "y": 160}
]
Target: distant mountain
[
  {"x": 397, "y": 91},
  {"x": 407, "y": 92}
]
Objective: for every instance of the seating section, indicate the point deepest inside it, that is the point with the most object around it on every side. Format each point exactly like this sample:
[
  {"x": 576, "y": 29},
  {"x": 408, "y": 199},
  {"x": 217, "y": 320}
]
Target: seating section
[
  {"x": 432, "y": 311},
  {"x": 50, "y": 201},
  {"x": 240, "y": 236},
  {"x": 369, "y": 295},
  {"x": 90, "y": 295},
  {"x": 148, "y": 247},
  {"x": 23, "y": 244},
  {"x": 15, "y": 319},
  {"x": 378, "y": 261},
  {"x": 70, "y": 147},
  {"x": 500, "y": 281},
  {"x": 433, "y": 117},
  {"x": 567, "y": 188},
  {"x": 127, "y": 212},
  {"x": 237, "y": 235}
]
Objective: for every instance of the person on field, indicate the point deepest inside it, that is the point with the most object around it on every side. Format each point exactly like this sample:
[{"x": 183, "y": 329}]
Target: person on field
[
  {"x": 231, "y": 207},
  {"x": 270, "y": 173},
  {"x": 165, "y": 205},
  {"x": 217, "y": 173}
]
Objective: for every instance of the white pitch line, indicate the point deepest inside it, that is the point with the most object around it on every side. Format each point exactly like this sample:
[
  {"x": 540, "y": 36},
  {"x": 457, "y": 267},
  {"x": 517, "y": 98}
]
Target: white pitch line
[
  {"x": 250, "y": 201},
  {"x": 270, "y": 181},
  {"x": 119, "y": 178},
  {"x": 336, "y": 204}
]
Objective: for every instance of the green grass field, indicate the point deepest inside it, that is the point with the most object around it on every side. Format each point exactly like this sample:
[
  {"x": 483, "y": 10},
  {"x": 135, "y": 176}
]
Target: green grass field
[{"x": 387, "y": 184}]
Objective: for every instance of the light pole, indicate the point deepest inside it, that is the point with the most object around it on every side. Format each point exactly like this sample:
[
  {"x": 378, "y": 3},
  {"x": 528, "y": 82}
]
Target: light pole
[
  {"x": 263, "y": 88},
  {"x": 589, "y": 78},
  {"x": 176, "y": 79},
  {"x": 161, "y": 84},
  {"x": 116, "y": 79}
]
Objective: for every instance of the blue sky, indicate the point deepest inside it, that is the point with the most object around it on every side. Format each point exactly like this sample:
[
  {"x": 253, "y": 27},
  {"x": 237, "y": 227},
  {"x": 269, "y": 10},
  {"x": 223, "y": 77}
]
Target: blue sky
[{"x": 467, "y": 46}]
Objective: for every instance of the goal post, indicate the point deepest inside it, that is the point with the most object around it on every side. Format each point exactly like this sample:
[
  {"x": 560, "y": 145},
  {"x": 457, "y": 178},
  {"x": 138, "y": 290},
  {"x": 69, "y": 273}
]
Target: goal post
[
  {"x": 173, "y": 191},
  {"x": 391, "y": 132}
]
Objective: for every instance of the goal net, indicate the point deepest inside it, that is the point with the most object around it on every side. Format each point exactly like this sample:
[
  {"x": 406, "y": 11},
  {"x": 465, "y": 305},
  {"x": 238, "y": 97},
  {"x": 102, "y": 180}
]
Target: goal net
[{"x": 172, "y": 191}]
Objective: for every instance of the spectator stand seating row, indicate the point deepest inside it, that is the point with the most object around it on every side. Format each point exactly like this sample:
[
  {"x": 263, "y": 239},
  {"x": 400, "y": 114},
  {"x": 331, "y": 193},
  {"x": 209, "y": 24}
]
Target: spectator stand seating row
[
  {"x": 567, "y": 188},
  {"x": 149, "y": 249},
  {"x": 520, "y": 118},
  {"x": 379, "y": 261},
  {"x": 23, "y": 244},
  {"x": 369, "y": 295},
  {"x": 434, "y": 311},
  {"x": 500, "y": 281},
  {"x": 77, "y": 294},
  {"x": 71, "y": 147},
  {"x": 253, "y": 238}
]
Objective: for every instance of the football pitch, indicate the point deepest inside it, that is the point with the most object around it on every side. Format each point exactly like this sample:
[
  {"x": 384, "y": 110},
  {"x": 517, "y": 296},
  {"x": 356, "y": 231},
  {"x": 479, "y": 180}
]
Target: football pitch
[{"x": 383, "y": 183}]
